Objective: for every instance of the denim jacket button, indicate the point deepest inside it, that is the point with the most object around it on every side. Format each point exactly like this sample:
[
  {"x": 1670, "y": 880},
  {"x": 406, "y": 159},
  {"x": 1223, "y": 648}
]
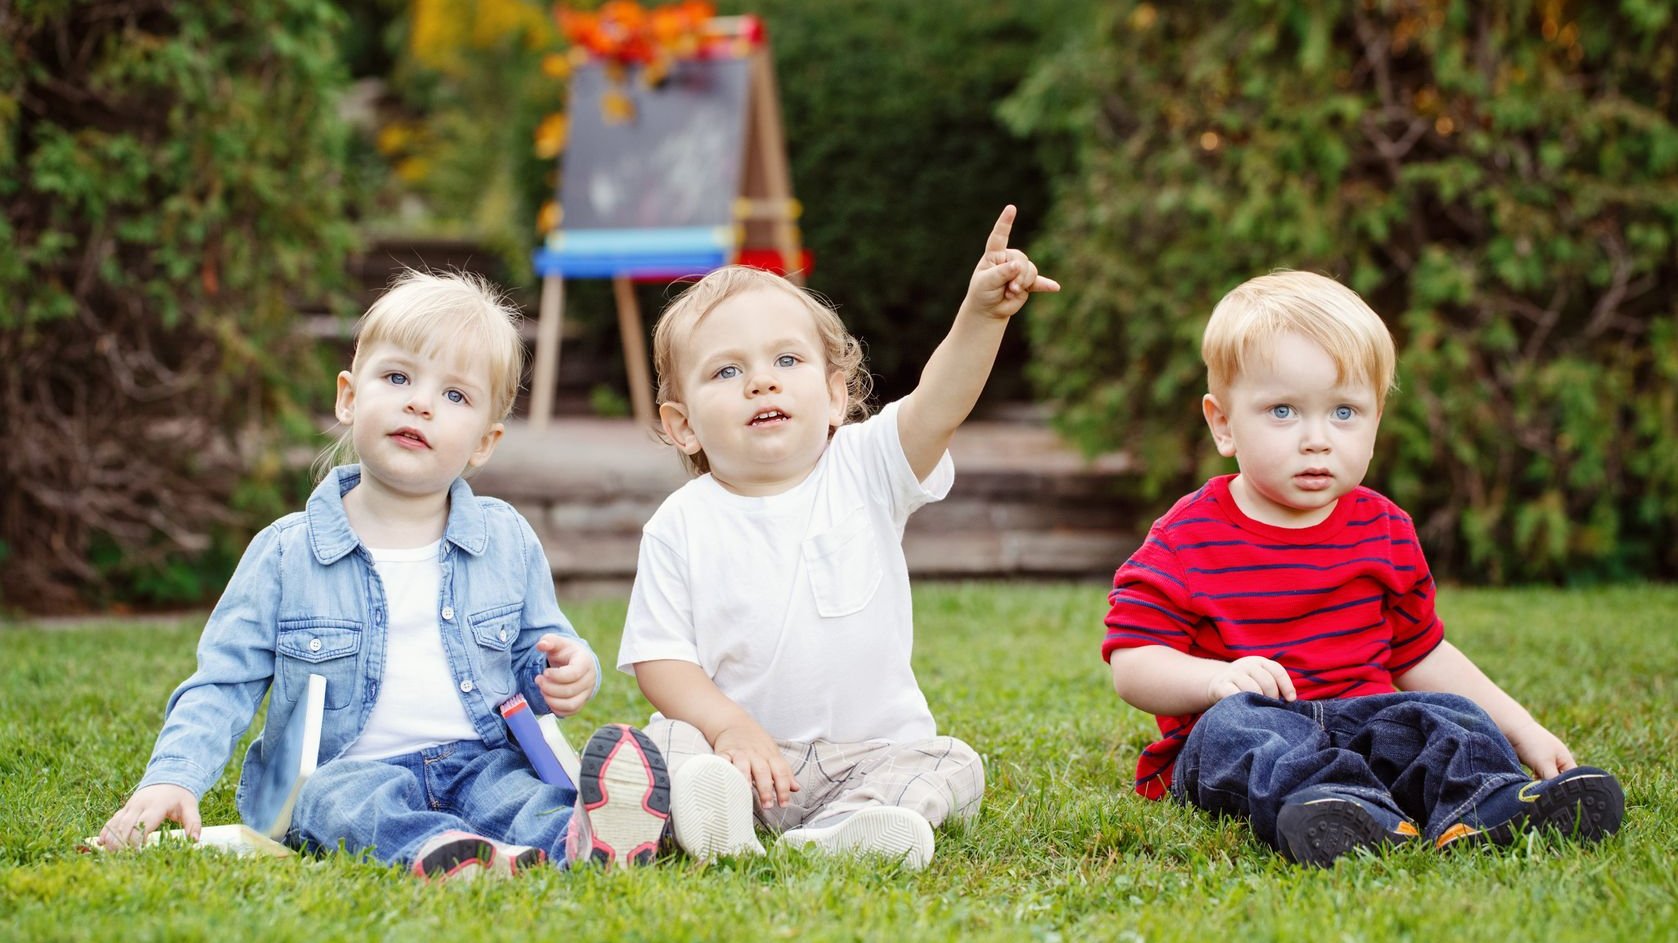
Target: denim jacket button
[
  {"x": 466, "y": 686},
  {"x": 503, "y": 635},
  {"x": 448, "y": 613},
  {"x": 314, "y": 645}
]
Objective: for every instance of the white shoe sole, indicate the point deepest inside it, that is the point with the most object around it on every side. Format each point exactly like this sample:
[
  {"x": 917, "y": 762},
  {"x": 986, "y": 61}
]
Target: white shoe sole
[
  {"x": 889, "y": 831},
  {"x": 711, "y": 809},
  {"x": 626, "y": 793}
]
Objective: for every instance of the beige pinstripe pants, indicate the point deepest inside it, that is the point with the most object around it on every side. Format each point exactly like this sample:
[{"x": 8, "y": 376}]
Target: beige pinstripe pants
[{"x": 940, "y": 777}]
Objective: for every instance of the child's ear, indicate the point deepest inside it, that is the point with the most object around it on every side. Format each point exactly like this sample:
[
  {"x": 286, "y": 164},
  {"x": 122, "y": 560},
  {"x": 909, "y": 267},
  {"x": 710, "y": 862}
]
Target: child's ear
[
  {"x": 344, "y": 409},
  {"x": 1218, "y": 421},
  {"x": 674, "y": 418},
  {"x": 838, "y": 399},
  {"x": 486, "y": 445}
]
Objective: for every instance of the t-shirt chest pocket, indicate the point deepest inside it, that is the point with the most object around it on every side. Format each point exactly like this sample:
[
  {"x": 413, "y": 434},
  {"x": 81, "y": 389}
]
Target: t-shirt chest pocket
[{"x": 844, "y": 566}]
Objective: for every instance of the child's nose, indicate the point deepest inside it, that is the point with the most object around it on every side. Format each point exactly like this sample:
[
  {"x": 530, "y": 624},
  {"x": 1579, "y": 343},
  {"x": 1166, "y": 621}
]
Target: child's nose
[
  {"x": 1314, "y": 437},
  {"x": 765, "y": 381},
  {"x": 419, "y": 402}
]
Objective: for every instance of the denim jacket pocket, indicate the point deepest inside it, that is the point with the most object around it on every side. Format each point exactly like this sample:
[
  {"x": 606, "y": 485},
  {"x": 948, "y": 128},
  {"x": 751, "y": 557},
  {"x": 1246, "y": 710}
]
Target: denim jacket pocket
[
  {"x": 844, "y": 566},
  {"x": 495, "y": 630},
  {"x": 327, "y": 647}
]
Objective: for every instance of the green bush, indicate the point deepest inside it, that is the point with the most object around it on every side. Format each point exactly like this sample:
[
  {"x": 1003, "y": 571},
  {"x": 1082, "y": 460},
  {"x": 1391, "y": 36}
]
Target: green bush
[
  {"x": 896, "y": 151},
  {"x": 170, "y": 176},
  {"x": 900, "y": 160},
  {"x": 1497, "y": 180}
]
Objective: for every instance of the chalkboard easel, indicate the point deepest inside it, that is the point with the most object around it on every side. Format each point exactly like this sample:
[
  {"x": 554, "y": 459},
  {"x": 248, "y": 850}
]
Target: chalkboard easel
[{"x": 695, "y": 175}]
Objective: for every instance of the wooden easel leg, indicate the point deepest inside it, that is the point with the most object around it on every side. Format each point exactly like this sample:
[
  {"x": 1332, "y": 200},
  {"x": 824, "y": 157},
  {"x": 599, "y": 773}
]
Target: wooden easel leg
[
  {"x": 634, "y": 351},
  {"x": 771, "y": 144},
  {"x": 544, "y": 378}
]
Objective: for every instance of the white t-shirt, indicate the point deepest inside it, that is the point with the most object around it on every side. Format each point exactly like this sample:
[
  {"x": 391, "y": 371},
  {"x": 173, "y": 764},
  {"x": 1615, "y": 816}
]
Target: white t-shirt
[
  {"x": 795, "y": 604},
  {"x": 415, "y": 707}
]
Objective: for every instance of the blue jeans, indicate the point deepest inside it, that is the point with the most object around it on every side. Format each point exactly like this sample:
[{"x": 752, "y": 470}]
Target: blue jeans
[
  {"x": 1426, "y": 756},
  {"x": 389, "y": 807}
]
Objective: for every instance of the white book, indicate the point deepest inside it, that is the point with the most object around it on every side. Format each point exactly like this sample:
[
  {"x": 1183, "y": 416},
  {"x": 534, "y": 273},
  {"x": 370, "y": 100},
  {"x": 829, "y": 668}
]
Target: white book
[
  {"x": 549, "y": 725},
  {"x": 234, "y": 839},
  {"x": 293, "y": 756},
  {"x": 292, "y": 759}
]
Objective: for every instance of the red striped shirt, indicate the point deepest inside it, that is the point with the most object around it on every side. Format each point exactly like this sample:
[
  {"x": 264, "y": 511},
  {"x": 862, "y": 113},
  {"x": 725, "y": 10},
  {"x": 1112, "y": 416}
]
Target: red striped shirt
[{"x": 1344, "y": 605}]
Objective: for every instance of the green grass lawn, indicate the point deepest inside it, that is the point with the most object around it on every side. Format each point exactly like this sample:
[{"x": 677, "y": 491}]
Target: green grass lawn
[{"x": 1062, "y": 850}]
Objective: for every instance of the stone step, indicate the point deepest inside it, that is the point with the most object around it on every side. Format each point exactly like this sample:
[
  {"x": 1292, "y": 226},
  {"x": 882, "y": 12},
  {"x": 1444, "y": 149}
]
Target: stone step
[
  {"x": 580, "y": 554},
  {"x": 1023, "y": 504}
]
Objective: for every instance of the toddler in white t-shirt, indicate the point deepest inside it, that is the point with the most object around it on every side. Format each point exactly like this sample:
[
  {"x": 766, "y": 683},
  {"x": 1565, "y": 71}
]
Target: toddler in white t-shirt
[{"x": 770, "y": 623}]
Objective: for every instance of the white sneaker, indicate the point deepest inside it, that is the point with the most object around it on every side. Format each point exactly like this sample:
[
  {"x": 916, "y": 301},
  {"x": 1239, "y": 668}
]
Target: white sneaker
[
  {"x": 711, "y": 809},
  {"x": 891, "y": 831}
]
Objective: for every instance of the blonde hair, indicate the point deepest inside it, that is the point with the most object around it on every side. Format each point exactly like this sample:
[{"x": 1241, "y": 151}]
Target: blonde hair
[
  {"x": 453, "y": 314},
  {"x": 1247, "y": 322},
  {"x": 844, "y": 352}
]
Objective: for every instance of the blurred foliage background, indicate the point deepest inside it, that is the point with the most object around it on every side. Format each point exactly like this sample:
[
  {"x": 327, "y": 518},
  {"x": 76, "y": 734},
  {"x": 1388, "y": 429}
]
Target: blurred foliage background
[
  {"x": 1497, "y": 179},
  {"x": 173, "y": 189}
]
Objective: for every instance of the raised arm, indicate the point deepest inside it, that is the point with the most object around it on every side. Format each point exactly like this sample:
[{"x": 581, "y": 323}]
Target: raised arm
[
  {"x": 682, "y": 691},
  {"x": 955, "y": 375}
]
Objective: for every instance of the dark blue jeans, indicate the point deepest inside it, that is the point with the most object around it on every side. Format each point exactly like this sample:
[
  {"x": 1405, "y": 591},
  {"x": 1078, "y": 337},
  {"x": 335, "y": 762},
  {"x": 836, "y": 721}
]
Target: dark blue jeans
[{"x": 1426, "y": 756}]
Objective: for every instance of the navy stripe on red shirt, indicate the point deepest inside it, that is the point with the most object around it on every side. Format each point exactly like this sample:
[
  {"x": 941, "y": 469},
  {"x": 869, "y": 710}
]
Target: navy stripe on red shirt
[{"x": 1344, "y": 605}]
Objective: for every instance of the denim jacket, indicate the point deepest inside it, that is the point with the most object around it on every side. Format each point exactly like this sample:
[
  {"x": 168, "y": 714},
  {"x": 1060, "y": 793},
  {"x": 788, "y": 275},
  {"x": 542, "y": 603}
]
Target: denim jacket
[{"x": 305, "y": 600}]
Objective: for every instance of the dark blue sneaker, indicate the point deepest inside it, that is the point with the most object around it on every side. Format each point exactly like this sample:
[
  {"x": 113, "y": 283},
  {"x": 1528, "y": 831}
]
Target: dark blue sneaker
[
  {"x": 1317, "y": 825},
  {"x": 1584, "y": 803}
]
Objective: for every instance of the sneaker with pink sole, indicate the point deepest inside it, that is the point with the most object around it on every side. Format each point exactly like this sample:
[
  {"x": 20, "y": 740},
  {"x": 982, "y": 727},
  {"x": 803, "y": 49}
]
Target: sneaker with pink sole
[
  {"x": 623, "y": 800},
  {"x": 462, "y": 856}
]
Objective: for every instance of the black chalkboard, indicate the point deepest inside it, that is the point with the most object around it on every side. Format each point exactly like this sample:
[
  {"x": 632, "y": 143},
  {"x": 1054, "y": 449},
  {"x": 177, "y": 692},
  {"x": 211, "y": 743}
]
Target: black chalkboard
[{"x": 676, "y": 162}]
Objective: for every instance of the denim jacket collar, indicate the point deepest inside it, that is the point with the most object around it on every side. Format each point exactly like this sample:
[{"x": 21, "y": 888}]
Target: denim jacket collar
[{"x": 331, "y": 536}]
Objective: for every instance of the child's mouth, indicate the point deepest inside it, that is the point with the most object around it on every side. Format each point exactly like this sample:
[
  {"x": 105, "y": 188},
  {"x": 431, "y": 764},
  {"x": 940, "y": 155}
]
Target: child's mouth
[
  {"x": 767, "y": 417},
  {"x": 410, "y": 438},
  {"x": 1313, "y": 480}
]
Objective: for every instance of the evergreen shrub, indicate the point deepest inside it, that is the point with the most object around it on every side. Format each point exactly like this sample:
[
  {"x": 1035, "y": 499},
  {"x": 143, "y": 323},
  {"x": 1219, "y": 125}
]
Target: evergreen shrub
[
  {"x": 901, "y": 161},
  {"x": 170, "y": 179},
  {"x": 1500, "y": 181}
]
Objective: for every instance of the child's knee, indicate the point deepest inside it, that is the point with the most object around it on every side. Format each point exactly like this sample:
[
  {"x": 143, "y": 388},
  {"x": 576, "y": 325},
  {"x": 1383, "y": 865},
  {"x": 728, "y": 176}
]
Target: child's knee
[
  {"x": 678, "y": 741},
  {"x": 964, "y": 770}
]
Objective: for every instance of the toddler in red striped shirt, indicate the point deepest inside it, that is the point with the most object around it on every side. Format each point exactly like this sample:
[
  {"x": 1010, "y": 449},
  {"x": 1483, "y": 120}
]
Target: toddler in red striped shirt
[{"x": 1280, "y": 623}]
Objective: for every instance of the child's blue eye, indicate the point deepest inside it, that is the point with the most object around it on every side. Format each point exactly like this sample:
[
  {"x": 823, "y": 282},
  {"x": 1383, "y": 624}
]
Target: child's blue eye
[
  {"x": 786, "y": 360},
  {"x": 1343, "y": 413},
  {"x": 398, "y": 379},
  {"x": 727, "y": 373},
  {"x": 455, "y": 396},
  {"x": 1281, "y": 412}
]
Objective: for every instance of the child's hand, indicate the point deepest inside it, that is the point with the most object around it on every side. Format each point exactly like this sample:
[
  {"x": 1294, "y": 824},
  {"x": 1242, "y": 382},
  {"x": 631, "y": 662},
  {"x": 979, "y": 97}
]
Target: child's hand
[
  {"x": 146, "y": 810},
  {"x": 753, "y": 752},
  {"x": 1004, "y": 277},
  {"x": 1542, "y": 751},
  {"x": 1252, "y": 673},
  {"x": 568, "y": 681}
]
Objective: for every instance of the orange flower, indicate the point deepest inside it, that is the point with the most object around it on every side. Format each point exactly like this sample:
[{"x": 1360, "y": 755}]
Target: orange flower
[
  {"x": 616, "y": 107},
  {"x": 550, "y": 135},
  {"x": 624, "y": 33},
  {"x": 547, "y": 220},
  {"x": 556, "y": 66}
]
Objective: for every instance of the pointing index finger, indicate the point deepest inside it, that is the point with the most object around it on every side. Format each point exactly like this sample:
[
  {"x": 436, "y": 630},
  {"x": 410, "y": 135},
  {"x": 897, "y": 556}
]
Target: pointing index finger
[{"x": 998, "y": 240}]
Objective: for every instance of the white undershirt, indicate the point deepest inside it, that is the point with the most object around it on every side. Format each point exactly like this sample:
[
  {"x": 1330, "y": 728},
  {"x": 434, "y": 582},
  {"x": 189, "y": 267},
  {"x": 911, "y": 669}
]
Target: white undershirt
[{"x": 412, "y": 711}]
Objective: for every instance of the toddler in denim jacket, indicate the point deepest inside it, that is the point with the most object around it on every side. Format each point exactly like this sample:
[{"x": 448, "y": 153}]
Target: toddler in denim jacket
[{"x": 424, "y": 607}]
